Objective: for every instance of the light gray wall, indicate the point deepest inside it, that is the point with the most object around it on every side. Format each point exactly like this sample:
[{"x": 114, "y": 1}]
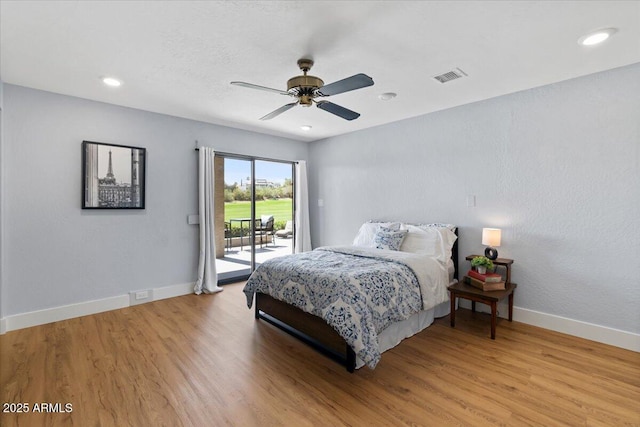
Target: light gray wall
[
  {"x": 556, "y": 167},
  {"x": 2, "y": 311},
  {"x": 56, "y": 253}
]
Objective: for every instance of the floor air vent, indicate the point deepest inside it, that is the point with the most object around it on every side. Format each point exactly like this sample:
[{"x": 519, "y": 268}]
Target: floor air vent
[{"x": 450, "y": 75}]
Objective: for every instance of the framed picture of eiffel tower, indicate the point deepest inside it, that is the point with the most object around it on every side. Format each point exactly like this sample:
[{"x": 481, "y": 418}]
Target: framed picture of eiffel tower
[{"x": 113, "y": 176}]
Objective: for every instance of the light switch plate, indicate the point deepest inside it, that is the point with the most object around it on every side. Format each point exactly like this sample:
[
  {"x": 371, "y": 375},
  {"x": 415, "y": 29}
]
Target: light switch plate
[{"x": 471, "y": 201}]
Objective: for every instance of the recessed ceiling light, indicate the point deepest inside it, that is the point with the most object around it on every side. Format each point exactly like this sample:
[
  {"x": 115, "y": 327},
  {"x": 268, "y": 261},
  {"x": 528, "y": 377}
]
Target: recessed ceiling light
[
  {"x": 597, "y": 37},
  {"x": 110, "y": 81},
  {"x": 305, "y": 127},
  {"x": 387, "y": 96}
]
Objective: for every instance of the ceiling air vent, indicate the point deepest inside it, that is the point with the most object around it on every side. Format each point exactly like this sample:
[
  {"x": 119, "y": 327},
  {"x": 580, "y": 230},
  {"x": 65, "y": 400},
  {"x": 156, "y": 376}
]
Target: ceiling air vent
[{"x": 450, "y": 75}]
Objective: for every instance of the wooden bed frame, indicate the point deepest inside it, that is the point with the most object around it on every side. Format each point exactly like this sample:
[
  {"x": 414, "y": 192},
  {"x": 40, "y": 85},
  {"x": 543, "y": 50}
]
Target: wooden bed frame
[{"x": 313, "y": 330}]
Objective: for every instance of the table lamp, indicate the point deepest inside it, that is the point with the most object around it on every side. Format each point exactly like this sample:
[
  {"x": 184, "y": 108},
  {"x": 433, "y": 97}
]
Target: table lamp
[{"x": 491, "y": 238}]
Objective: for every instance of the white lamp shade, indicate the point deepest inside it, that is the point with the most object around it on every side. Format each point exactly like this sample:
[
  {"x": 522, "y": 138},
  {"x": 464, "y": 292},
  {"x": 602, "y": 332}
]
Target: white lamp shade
[{"x": 491, "y": 237}]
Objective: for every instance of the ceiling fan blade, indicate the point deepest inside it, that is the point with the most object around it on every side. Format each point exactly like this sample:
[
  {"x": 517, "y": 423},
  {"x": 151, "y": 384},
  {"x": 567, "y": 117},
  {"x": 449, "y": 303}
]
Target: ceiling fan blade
[
  {"x": 339, "y": 111},
  {"x": 345, "y": 85},
  {"x": 279, "y": 111},
  {"x": 268, "y": 89}
]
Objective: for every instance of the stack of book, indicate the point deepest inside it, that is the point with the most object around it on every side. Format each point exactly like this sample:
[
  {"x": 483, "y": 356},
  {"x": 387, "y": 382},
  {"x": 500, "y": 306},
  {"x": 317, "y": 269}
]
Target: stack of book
[{"x": 486, "y": 282}]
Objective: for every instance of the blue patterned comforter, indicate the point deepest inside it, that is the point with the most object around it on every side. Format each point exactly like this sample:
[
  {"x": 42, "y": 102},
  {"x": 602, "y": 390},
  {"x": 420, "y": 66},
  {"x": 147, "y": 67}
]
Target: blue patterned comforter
[{"x": 359, "y": 292}]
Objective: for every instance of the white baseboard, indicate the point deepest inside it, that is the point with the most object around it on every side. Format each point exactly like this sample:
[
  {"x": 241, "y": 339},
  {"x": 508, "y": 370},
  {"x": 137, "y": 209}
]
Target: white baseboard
[
  {"x": 55, "y": 314},
  {"x": 173, "y": 291},
  {"x": 589, "y": 331}
]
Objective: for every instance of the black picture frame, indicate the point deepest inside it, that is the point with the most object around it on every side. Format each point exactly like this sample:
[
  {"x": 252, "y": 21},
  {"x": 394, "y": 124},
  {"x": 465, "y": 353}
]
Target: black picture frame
[{"x": 113, "y": 176}]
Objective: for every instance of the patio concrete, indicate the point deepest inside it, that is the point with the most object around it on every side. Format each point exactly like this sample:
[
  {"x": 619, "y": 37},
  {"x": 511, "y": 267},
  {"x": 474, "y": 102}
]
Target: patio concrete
[{"x": 237, "y": 260}]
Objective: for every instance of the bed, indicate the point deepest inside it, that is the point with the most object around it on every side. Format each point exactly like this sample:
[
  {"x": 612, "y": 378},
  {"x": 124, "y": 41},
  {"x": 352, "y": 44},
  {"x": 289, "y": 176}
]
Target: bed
[{"x": 352, "y": 303}]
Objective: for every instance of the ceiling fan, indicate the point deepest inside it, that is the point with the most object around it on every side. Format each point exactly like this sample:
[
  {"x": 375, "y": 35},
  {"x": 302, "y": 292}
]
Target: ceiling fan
[{"x": 307, "y": 88}]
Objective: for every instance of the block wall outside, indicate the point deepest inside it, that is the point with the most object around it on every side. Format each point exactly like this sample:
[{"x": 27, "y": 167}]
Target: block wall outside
[{"x": 219, "y": 205}]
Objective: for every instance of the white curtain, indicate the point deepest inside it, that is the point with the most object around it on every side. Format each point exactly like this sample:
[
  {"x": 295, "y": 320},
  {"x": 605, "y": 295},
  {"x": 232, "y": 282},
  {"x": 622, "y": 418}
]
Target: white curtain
[
  {"x": 207, "y": 276},
  {"x": 303, "y": 233}
]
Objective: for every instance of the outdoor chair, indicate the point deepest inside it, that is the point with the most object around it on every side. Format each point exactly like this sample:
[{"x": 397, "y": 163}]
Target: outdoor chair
[
  {"x": 264, "y": 228},
  {"x": 227, "y": 236},
  {"x": 286, "y": 232}
]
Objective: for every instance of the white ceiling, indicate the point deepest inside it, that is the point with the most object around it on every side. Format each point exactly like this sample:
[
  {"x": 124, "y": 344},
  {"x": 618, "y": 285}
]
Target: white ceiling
[{"x": 178, "y": 58}]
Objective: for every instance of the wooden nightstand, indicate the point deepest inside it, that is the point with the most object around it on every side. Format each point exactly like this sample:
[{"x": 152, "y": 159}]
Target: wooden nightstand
[{"x": 491, "y": 298}]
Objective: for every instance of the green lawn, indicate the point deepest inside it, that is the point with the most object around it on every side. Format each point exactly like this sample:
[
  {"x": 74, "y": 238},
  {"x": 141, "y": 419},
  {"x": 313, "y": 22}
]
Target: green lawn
[{"x": 281, "y": 209}]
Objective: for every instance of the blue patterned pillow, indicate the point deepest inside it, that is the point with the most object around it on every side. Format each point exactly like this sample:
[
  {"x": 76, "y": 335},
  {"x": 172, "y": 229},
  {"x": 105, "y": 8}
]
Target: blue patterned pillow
[{"x": 387, "y": 238}]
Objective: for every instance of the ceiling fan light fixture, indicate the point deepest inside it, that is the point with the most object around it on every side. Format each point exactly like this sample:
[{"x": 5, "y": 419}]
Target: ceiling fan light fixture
[
  {"x": 597, "y": 37},
  {"x": 306, "y": 128},
  {"x": 387, "y": 96},
  {"x": 305, "y": 100}
]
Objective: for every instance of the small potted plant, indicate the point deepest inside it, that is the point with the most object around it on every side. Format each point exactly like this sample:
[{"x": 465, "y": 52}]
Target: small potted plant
[{"x": 482, "y": 264}]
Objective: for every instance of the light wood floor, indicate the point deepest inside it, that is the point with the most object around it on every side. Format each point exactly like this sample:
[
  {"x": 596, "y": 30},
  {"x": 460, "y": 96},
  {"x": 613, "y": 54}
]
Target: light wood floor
[{"x": 205, "y": 361}]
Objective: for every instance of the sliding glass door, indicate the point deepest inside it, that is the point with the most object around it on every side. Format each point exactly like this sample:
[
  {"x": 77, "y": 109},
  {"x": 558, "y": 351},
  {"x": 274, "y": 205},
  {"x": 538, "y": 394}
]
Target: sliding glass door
[{"x": 254, "y": 213}]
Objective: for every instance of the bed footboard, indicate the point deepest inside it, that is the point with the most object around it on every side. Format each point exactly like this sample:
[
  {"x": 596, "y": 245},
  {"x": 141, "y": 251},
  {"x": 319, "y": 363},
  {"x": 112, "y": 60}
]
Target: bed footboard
[{"x": 309, "y": 328}]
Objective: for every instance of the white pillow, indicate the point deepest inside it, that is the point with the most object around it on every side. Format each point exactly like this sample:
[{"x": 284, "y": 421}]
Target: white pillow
[
  {"x": 439, "y": 225},
  {"x": 420, "y": 240},
  {"x": 366, "y": 234},
  {"x": 448, "y": 239},
  {"x": 434, "y": 242}
]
